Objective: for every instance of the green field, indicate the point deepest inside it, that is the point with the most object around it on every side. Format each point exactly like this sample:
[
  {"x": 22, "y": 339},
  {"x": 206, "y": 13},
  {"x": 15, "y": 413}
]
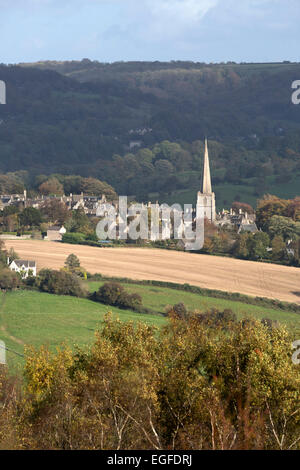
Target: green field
[
  {"x": 34, "y": 318},
  {"x": 227, "y": 193},
  {"x": 156, "y": 298}
]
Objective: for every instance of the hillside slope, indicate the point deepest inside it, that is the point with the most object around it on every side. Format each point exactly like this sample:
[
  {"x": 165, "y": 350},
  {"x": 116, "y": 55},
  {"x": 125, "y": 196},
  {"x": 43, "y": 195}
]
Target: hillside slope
[{"x": 75, "y": 117}]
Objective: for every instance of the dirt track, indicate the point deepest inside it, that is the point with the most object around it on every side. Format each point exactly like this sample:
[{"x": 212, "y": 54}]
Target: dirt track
[{"x": 246, "y": 277}]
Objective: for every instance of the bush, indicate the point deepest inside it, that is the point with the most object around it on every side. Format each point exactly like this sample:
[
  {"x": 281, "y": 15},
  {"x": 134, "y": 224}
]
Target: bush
[
  {"x": 179, "y": 310},
  {"x": 112, "y": 293},
  {"x": 73, "y": 237},
  {"x": 9, "y": 280},
  {"x": 216, "y": 318},
  {"x": 60, "y": 283}
]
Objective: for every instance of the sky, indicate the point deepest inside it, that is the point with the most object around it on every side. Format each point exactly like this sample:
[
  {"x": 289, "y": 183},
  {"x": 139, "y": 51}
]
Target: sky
[{"x": 122, "y": 30}]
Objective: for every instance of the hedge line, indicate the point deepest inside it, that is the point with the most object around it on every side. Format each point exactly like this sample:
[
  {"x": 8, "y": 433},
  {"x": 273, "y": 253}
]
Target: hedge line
[{"x": 217, "y": 294}]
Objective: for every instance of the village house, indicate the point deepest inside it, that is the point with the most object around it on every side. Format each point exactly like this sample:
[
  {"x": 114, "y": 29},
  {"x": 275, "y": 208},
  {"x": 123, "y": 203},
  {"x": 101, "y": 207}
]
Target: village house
[
  {"x": 242, "y": 220},
  {"x": 24, "y": 267},
  {"x": 55, "y": 233}
]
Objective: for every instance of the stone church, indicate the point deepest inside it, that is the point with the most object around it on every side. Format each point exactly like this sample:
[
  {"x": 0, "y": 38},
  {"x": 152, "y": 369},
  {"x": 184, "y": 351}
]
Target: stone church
[
  {"x": 206, "y": 201},
  {"x": 206, "y": 205}
]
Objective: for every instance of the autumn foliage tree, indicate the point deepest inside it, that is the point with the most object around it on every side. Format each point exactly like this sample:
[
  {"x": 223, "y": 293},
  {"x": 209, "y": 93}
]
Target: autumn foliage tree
[
  {"x": 55, "y": 211},
  {"x": 191, "y": 385},
  {"x": 51, "y": 187}
]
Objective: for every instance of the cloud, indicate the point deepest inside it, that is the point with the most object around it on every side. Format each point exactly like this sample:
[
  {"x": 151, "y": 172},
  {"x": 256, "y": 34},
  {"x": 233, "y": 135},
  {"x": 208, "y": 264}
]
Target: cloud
[
  {"x": 209, "y": 30},
  {"x": 181, "y": 10}
]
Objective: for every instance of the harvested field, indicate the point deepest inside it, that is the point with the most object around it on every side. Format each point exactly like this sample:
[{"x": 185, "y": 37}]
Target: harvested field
[{"x": 211, "y": 272}]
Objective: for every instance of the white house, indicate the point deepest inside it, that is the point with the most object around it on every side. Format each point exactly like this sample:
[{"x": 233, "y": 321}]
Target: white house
[{"x": 24, "y": 267}]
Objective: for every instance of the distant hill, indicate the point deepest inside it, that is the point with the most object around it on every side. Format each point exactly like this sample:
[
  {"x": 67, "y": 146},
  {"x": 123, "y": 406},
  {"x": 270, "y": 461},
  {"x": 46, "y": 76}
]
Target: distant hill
[{"x": 72, "y": 117}]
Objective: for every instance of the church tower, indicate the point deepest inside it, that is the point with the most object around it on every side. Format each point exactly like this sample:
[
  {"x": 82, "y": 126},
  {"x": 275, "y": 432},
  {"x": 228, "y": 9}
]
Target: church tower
[{"x": 206, "y": 203}]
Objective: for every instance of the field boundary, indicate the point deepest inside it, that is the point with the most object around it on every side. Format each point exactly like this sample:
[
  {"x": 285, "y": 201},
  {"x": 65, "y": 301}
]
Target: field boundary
[{"x": 217, "y": 294}]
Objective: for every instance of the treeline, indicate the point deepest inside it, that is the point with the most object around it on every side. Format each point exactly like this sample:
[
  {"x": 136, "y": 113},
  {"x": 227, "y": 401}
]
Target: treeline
[{"x": 53, "y": 185}]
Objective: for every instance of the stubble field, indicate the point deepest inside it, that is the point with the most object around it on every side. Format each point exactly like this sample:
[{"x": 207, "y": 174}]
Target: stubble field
[{"x": 211, "y": 272}]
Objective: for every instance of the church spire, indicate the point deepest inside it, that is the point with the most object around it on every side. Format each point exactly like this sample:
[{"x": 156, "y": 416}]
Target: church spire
[{"x": 206, "y": 182}]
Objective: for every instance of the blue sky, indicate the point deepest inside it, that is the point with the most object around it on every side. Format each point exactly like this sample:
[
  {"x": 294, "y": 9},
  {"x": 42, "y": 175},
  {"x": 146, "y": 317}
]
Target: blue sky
[{"x": 113, "y": 30}]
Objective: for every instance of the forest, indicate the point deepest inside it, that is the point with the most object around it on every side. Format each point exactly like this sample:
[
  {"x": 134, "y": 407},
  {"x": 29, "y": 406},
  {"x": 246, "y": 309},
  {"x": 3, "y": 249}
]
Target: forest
[{"x": 140, "y": 126}]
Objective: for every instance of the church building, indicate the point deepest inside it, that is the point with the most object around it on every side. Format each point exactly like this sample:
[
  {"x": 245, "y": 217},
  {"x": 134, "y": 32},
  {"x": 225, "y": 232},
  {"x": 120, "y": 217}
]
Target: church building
[{"x": 206, "y": 201}]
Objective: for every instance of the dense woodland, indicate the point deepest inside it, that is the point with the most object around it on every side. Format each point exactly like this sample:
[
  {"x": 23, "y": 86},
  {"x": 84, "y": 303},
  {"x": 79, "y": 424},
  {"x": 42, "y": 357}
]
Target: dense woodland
[{"x": 80, "y": 118}]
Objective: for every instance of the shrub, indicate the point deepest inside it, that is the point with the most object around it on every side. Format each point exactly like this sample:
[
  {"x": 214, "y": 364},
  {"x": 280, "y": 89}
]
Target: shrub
[
  {"x": 218, "y": 319},
  {"x": 60, "y": 283},
  {"x": 9, "y": 280},
  {"x": 112, "y": 293},
  {"x": 73, "y": 237},
  {"x": 179, "y": 310}
]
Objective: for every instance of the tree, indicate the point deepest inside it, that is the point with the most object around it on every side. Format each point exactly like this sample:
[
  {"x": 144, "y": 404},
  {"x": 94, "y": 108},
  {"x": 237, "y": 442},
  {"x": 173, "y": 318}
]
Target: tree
[
  {"x": 283, "y": 226},
  {"x": 10, "y": 210},
  {"x": 59, "y": 283},
  {"x": 109, "y": 293},
  {"x": 9, "y": 280},
  {"x": 278, "y": 248},
  {"x": 113, "y": 293},
  {"x": 95, "y": 187},
  {"x": 164, "y": 167},
  {"x": 267, "y": 207},
  {"x": 241, "y": 246},
  {"x": 30, "y": 217},
  {"x": 10, "y": 184},
  {"x": 79, "y": 222},
  {"x": 293, "y": 209},
  {"x": 55, "y": 211},
  {"x": 51, "y": 187},
  {"x": 3, "y": 253},
  {"x": 236, "y": 206},
  {"x": 10, "y": 222},
  {"x": 72, "y": 262},
  {"x": 258, "y": 244}
]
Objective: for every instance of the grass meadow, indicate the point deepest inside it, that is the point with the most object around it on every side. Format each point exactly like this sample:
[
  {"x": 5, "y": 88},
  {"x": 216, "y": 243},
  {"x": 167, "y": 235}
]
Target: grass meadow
[{"x": 35, "y": 318}]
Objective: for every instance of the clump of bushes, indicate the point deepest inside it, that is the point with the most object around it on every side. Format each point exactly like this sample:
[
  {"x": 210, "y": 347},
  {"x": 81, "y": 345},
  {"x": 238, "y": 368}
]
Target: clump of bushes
[
  {"x": 178, "y": 310},
  {"x": 113, "y": 293},
  {"x": 212, "y": 318},
  {"x": 9, "y": 280},
  {"x": 217, "y": 318},
  {"x": 59, "y": 283}
]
